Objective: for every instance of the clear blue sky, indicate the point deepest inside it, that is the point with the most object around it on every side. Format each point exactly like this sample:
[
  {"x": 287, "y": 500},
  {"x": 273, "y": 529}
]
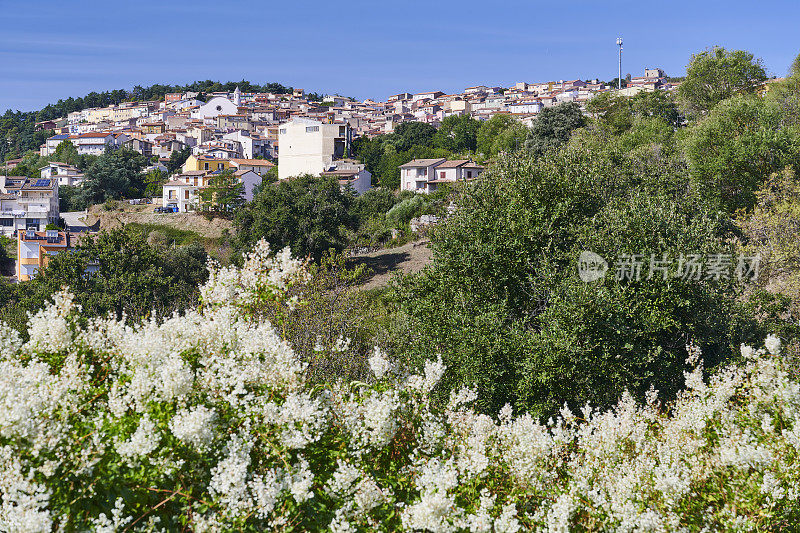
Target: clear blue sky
[{"x": 56, "y": 49}]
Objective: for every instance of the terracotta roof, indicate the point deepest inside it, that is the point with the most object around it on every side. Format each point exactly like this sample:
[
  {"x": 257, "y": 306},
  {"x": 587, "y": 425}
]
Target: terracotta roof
[{"x": 253, "y": 162}]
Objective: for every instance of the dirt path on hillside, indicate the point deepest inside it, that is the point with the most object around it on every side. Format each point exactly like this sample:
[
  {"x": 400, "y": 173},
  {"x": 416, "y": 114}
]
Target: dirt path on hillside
[{"x": 409, "y": 258}]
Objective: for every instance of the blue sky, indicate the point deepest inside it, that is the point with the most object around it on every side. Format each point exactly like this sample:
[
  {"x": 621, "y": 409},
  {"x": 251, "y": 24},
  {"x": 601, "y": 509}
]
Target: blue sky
[{"x": 55, "y": 49}]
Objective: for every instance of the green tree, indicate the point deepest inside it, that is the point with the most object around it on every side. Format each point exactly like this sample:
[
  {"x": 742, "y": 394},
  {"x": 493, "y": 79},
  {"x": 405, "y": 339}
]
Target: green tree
[
  {"x": 411, "y": 133},
  {"x": 501, "y": 133},
  {"x": 224, "y": 193},
  {"x": 177, "y": 159},
  {"x": 66, "y": 153},
  {"x": 114, "y": 175},
  {"x": 553, "y": 127},
  {"x": 656, "y": 104},
  {"x": 737, "y": 146},
  {"x": 457, "y": 133},
  {"x": 613, "y": 110},
  {"x": 128, "y": 276},
  {"x": 154, "y": 183},
  {"x": 310, "y": 215},
  {"x": 716, "y": 74},
  {"x": 503, "y": 305}
]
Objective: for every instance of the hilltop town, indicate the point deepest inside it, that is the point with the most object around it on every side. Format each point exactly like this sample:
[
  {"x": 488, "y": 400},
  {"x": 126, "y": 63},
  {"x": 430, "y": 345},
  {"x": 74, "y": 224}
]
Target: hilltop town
[{"x": 246, "y": 133}]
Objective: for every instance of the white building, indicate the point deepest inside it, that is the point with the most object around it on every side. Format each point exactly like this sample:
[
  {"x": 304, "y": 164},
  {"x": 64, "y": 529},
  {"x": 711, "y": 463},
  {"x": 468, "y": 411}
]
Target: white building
[
  {"x": 252, "y": 144},
  {"x": 180, "y": 194},
  {"x": 94, "y": 143},
  {"x": 215, "y": 107},
  {"x": 64, "y": 173},
  {"x": 425, "y": 175},
  {"x": 27, "y": 203},
  {"x": 360, "y": 180},
  {"x": 50, "y": 145},
  {"x": 310, "y": 147}
]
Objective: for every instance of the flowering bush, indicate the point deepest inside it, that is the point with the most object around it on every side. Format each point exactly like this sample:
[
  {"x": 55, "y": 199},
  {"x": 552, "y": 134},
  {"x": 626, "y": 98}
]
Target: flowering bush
[{"x": 205, "y": 422}]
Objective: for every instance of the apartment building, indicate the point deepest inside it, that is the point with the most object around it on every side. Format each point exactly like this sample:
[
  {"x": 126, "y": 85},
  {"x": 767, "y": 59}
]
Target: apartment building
[
  {"x": 27, "y": 203},
  {"x": 310, "y": 146},
  {"x": 35, "y": 248}
]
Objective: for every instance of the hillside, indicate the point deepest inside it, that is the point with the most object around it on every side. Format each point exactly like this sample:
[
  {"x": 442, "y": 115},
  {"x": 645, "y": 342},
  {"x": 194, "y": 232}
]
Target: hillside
[{"x": 19, "y": 127}]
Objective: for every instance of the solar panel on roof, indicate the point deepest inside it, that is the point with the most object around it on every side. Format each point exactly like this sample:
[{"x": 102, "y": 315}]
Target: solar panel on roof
[{"x": 42, "y": 183}]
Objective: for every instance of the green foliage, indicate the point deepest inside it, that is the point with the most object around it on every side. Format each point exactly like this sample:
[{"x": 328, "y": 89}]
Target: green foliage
[
  {"x": 72, "y": 198},
  {"x": 503, "y": 305},
  {"x": 154, "y": 183},
  {"x": 177, "y": 159},
  {"x": 716, "y": 74},
  {"x": 383, "y": 154},
  {"x": 310, "y": 215},
  {"x": 336, "y": 325},
  {"x": 771, "y": 230},
  {"x": 66, "y": 153},
  {"x": 5, "y": 257},
  {"x": 738, "y": 145},
  {"x": 224, "y": 194},
  {"x": 131, "y": 278},
  {"x": 553, "y": 127},
  {"x": 457, "y": 133},
  {"x": 656, "y": 104},
  {"x": 115, "y": 175},
  {"x": 612, "y": 110},
  {"x": 501, "y": 133},
  {"x": 409, "y": 134},
  {"x": 404, "y": 211}
]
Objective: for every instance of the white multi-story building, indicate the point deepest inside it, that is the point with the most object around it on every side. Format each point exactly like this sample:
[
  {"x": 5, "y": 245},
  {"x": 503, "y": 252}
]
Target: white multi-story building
[
  {"x": 27, "y": 203},
  {"x": 310, "y": 146}
]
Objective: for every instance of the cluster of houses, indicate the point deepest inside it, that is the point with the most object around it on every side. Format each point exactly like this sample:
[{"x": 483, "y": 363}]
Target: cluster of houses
[{"x": 244, "y": 133}]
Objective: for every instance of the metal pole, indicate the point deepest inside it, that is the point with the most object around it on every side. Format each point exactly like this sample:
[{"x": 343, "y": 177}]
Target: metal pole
[{"x": 619, "y": 76}]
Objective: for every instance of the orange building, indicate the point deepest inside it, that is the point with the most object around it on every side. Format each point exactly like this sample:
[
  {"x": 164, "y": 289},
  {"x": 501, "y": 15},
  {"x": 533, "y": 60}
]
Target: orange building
[{"x": 34, "y": 249}]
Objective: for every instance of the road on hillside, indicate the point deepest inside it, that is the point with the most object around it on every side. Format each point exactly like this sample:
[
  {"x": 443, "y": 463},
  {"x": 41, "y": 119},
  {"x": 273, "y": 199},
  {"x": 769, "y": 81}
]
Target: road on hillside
[{"x": 74, "y": 221}]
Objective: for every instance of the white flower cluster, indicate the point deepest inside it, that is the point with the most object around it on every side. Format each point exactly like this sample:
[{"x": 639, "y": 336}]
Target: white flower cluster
[{"x": 205, "y": 422}]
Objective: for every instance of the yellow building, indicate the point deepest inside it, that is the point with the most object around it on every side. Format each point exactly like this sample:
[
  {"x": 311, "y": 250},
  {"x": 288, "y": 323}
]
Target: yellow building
[{"x": 204, "y": 162}]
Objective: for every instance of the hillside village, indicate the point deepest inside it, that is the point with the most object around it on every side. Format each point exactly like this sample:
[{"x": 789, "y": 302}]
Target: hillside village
[
  {"x": 246, "y": 132},
  {"x": 568, "y": 305}
]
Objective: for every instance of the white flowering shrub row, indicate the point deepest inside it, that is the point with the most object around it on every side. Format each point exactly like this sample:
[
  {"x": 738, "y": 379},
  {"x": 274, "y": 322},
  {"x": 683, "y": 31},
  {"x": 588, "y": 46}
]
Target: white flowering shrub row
[{"x": 205, "y": 423}]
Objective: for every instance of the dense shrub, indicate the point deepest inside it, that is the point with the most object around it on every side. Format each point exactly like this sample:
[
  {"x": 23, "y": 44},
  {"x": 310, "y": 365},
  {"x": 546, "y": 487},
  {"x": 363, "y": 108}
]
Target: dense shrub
[{"x": 205, "y": 422}]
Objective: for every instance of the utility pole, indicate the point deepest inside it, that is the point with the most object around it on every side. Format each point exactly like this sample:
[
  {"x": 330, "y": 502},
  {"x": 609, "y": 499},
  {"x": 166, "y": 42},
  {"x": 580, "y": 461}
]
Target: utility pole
[{"x": 619, "y": 77}]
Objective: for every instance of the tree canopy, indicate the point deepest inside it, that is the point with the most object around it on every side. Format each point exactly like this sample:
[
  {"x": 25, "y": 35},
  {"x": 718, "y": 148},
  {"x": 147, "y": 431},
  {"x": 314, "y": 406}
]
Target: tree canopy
[{"x": 716, "y": 74}]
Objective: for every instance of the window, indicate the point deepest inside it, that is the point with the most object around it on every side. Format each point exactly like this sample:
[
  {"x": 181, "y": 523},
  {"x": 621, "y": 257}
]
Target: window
[
  {"x": 469, "y": 174},
  {"x": 283, "y": 130},
  {"x": 171, "y": 195},
  {"x": 420, "y": 172},
  {"x": 341, "y": 131},
  {"x": 206, "y": 166},
  {"x": 441, "y": 175},
  {"x": 312, "y": 129},
  {"x": 7, "y": 222},
  {"x": 186, "y": 194}
]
